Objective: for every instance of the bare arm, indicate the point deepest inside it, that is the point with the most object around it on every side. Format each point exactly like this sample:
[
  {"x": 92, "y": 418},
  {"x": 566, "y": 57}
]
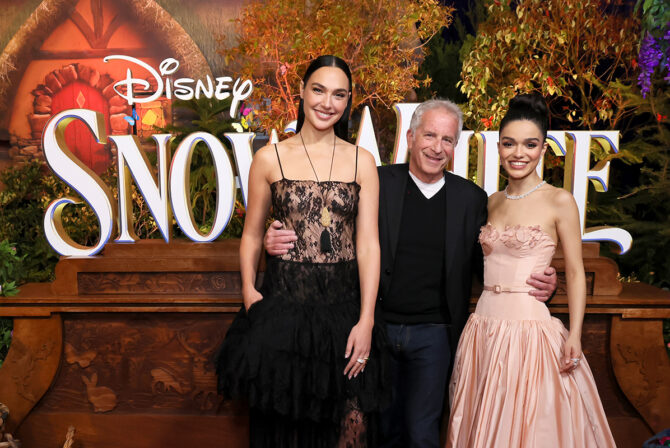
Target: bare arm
[
  {"x": 569, "y": 234},
  {"x": 251, "y": 244},
  {"x": 368, "y": 256}
]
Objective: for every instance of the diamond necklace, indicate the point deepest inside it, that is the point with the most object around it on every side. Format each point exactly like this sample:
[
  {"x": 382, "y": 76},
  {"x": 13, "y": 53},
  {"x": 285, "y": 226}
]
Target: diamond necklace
[
  {"x": 326, "y": 245},
  {"x": 523, "y": 195}
]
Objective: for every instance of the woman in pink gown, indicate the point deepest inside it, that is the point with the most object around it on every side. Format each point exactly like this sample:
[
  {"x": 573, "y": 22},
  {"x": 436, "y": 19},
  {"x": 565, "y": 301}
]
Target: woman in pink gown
[{"x": 520, "y": 378}]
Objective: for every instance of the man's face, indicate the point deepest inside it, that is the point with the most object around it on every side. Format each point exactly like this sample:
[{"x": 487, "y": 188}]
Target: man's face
[{"x": 431, "y": 145}]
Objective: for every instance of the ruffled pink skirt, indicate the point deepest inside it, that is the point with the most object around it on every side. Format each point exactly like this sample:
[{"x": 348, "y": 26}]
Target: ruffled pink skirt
[{"x": 507, "y": 391}]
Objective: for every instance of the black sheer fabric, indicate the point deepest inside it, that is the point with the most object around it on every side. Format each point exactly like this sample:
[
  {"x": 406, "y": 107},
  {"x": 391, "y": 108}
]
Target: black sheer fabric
[
  {"x": 298, "y": 204},
  {"x": 286, "y": 354}
]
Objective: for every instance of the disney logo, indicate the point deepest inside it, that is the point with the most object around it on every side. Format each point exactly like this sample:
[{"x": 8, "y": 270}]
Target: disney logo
[{"x": 181, "y": 88}]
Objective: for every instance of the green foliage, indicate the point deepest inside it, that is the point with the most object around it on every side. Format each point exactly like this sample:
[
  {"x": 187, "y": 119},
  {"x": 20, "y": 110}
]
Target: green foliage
[
  {"x": 572, "y": 53},
  {"x": 655, "y": 15},
  {"x": 27, "y": 193},
  {"x": 639, "y": 201},
  {"x": 6, "y": 326},
  {"x": 9, "y": 262},
  {"x": 445, "y": 52},
  {"x": 442, "y": 67}
]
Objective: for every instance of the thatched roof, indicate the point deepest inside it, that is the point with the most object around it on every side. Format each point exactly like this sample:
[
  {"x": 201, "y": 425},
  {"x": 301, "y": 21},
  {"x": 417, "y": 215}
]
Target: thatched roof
[
  {"x": 12, "y": 17},
  {"x": 50, "y": 13},
  {"x": 207, "y": 21}
]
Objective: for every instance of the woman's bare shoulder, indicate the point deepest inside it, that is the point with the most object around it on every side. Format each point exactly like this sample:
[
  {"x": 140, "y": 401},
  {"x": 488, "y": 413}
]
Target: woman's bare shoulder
[
  {"x": 496, "y": 198},
  {"x": 265, "y": 154},
  {"x": 560, "y": 197}
]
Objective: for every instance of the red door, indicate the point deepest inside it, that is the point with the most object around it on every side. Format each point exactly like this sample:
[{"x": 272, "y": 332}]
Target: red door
[{"x": 80, "y": 140}]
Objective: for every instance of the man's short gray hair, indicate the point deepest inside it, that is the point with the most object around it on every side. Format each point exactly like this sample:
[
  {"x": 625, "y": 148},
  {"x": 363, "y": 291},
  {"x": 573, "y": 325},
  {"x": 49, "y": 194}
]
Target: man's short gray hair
[{"x": 448, "y": 106}]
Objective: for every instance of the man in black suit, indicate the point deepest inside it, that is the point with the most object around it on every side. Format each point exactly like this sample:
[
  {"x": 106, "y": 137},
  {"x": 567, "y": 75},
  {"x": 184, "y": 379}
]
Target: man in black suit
[{"x": 429, "y": 221}]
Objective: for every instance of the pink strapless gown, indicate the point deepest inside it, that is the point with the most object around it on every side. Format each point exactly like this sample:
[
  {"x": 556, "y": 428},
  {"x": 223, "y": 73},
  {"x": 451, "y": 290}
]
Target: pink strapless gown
[{"x": 506, "y": 389}]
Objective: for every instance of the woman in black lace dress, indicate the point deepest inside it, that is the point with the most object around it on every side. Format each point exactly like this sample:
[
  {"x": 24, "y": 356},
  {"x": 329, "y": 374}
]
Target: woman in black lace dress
[{"x": 305, "y": 351}]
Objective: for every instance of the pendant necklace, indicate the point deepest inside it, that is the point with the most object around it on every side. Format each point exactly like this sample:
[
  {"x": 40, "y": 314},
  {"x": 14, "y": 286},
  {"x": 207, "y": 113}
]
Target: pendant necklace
[
  {"x": 521, "y": 196},
  {"x": 326, "y": 245}
]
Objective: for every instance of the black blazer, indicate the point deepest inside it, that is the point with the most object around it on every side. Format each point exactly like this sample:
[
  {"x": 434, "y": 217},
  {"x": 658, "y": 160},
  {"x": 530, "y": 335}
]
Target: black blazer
[{"x": 466, "y": 213}]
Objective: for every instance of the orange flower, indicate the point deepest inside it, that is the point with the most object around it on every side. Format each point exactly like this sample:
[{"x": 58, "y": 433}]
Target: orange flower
[{"x": 487, "y": 121}]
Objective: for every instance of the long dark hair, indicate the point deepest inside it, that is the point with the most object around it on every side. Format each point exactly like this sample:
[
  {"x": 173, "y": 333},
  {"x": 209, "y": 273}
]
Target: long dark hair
[
  {"x": 528, "y": 106},
  {"x": 342, "y": 126}
]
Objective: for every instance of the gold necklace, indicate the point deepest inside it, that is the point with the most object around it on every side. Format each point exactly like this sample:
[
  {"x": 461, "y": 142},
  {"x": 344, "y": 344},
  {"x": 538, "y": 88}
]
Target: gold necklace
[{"x": 326, "y": 245}]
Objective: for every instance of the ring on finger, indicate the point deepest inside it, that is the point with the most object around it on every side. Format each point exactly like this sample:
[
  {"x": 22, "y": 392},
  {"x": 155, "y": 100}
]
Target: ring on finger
[{"x": 362, "y": 360}]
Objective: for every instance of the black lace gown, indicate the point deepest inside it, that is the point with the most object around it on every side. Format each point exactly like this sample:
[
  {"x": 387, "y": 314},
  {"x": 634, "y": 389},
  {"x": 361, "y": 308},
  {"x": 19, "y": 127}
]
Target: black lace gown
[{"x": 286, "y": 354}]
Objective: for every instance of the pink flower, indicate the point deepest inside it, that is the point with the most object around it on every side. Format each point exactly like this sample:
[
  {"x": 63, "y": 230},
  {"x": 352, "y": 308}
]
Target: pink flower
[
  {"x": 488, "y": 233},
  {"x": 487, "y": 236},
  {"x": 517, "y": 236}
]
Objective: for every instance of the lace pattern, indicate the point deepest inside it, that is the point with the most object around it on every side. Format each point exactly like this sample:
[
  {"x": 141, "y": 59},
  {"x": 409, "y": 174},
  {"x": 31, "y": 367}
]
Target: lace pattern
[
  {"x": 353, "y": 433},
  {"x": 298, "y": 204}
]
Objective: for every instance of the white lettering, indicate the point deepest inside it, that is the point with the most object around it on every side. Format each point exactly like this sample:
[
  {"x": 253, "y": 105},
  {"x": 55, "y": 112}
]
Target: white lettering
[
  {"x": 240, "y": 93},
  {"x": 133, "y": 160},
  {"x": 403, "y": 113},
  {"x": 243, "y": 150},
  {"x": 200, "y": 88},
  {"x": 80, "y": 177},
  {"x": 366, "y": 135},
  {"x": 180, "y": 187},
  {"x": 181, "y": 88},
  {"x": 129, "y": 82},
  {"x": 222, "y": 87}
]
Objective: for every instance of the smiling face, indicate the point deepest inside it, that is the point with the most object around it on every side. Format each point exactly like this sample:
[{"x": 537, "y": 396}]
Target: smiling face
[
  {"x": 325, "y": 97},
  {"x": 521, "y": 147},
  {"x": 431, "y": 144}
]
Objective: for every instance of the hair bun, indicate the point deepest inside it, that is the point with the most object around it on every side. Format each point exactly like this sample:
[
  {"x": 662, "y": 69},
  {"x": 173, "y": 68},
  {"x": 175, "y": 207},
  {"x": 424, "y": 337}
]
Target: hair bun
[
  {"x": 531, "y": 101},
  {"x": 528, "y": 106}
]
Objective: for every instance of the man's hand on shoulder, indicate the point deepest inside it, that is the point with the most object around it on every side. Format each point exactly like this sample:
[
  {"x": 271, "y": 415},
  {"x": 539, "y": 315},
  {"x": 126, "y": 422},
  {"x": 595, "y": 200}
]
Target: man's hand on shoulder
[
  {"x": 278, "y": 241},
  {"x": 544, "y": 283}
]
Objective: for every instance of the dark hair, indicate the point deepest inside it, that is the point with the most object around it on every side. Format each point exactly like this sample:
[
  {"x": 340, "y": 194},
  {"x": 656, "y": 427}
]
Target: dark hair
[
  {"x": 528, "y": 106},
  {"x": 342, "y": 126}
]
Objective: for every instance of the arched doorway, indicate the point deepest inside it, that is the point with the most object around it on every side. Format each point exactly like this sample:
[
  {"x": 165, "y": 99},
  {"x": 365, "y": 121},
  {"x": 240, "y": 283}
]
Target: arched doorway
[{"x": 80, "y": 140}]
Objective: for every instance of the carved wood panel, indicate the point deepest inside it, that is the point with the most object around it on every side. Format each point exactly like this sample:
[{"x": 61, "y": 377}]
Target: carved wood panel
[
  {"x": 628, "y": 426},
  {"x": 641, "y": 364},
  {"x": 30, "y": 365},
  {"x": 149, "y": 363},
  {"x": 100, "y": 283}
]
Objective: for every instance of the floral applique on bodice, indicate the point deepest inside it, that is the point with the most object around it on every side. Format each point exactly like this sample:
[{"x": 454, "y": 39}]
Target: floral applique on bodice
[{"x": 511, "y": 255}]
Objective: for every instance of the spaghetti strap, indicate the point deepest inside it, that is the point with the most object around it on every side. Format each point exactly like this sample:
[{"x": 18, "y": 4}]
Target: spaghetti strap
[
  {"x": 278, "y": 160},
  {"x": 356, "y": 165}
]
